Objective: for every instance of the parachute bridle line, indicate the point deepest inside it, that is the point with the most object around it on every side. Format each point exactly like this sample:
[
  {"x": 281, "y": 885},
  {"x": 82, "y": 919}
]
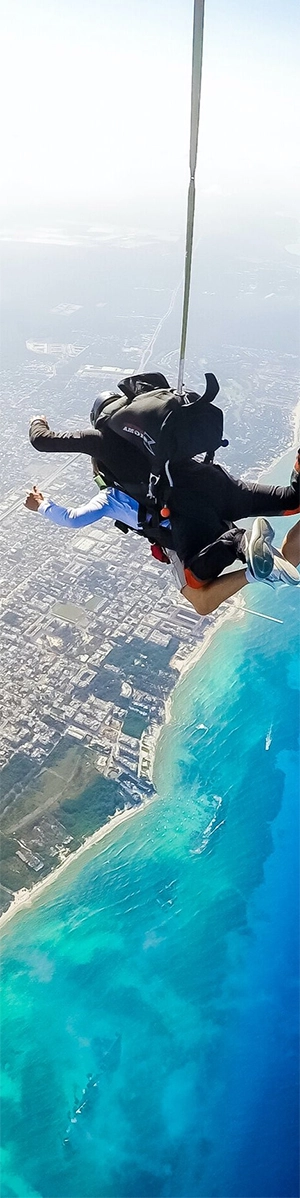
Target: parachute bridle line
[{"x": 194, "y": 130}]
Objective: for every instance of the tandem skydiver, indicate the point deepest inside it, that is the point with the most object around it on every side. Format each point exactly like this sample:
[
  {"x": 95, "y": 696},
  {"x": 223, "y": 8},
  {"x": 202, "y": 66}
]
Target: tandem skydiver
[
  {"x": 205, "y": 597},
  {"x": 142, "y": 444}
]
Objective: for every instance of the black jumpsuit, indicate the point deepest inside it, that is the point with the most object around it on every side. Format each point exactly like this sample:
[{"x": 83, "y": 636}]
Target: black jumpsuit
[
  {"x": 204, "y": 500},
  {"x": 204, "y": 503}
]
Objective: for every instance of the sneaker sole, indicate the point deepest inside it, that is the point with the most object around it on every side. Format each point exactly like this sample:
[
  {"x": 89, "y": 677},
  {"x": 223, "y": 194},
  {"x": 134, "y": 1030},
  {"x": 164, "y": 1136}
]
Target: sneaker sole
[{"x": 261, "y": 555}]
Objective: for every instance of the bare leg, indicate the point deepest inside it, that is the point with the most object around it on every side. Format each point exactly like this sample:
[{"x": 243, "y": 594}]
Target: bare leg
[
  {"x": 210, "y": 595},
  {"x": 291, "y": 545}
]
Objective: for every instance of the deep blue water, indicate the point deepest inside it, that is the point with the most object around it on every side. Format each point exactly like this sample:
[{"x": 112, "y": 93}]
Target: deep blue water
[{"x": 167, "y": 965}]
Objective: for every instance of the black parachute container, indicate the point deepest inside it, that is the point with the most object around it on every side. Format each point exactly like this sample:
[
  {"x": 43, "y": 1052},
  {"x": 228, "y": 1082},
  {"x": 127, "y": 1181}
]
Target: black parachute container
[{"x": 165, "y": 427}]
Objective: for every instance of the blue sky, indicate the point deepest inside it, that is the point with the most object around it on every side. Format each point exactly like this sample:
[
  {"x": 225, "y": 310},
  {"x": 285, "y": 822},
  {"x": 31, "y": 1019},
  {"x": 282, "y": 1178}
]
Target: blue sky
[{"x": 96, "y": 101}]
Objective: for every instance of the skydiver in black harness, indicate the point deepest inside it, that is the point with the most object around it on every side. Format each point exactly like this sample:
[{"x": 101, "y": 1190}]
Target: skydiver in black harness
[{"x": 143, "y": 442}]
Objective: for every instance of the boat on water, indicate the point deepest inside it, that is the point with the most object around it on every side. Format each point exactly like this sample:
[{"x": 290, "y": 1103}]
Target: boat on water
[{"x": 268, "y": 740}]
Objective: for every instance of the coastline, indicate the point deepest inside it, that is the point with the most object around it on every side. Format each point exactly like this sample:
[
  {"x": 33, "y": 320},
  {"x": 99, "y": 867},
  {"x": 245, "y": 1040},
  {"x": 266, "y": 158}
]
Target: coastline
[
  {"x": 295, "y": 418},
  {"x": 26, "y": 897},
  {"x": 232, "y": 611},
  {"x": 267, "y": 469},
  {"x": 237, "y": 610}
]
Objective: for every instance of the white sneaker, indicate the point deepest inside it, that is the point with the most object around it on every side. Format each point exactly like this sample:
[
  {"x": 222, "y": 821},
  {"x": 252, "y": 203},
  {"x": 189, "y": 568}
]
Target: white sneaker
[
  {"x": 259, "y": 554},
  {"x": 265, "y": 563}
]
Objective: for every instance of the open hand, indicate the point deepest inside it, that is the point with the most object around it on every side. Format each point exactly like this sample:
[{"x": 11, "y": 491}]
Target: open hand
[{"x": 33, "y": 499}]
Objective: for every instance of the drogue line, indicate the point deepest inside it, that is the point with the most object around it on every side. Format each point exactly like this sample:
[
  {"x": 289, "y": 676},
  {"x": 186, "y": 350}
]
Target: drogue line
[{"x": 262, "y": 616}]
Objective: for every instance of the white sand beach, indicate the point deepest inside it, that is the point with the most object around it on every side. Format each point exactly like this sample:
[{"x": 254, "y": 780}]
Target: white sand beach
[{"x": 26, "y": 897}]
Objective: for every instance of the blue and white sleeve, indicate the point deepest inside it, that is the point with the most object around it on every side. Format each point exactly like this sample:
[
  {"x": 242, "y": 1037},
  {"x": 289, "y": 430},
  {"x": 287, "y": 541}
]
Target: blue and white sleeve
[{"x": 78, "y": 517}]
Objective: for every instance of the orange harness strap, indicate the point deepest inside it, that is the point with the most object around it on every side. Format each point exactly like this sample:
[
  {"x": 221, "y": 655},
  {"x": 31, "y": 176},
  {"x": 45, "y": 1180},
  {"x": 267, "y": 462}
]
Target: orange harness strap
[
  {"x": 293, "y": 512},
  {"x": 192, "y": 581}
]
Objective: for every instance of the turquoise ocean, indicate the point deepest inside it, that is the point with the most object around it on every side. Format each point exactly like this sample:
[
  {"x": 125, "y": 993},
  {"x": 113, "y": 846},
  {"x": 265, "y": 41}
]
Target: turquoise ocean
[{"x": 165, "y": 963}]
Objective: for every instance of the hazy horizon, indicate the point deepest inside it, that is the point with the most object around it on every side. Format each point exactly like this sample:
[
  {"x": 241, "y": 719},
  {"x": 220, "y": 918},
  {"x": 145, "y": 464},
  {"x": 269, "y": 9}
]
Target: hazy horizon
[{"x": 97, "y": 104}]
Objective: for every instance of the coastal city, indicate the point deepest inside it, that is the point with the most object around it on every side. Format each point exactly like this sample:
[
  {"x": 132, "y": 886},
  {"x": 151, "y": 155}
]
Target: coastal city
[
  {"x": 94, "y": 633},
  {"x": 149, "y": 600},
  {"x": 94, "y": 637}
]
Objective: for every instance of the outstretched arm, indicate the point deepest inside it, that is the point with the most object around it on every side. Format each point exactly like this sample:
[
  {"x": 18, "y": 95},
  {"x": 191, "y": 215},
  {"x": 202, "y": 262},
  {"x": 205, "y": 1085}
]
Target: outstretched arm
[
  {"x": 110, "y": 502},
  {"x": 46, "y": 441},
  {"x": 79, "y": 517}
]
